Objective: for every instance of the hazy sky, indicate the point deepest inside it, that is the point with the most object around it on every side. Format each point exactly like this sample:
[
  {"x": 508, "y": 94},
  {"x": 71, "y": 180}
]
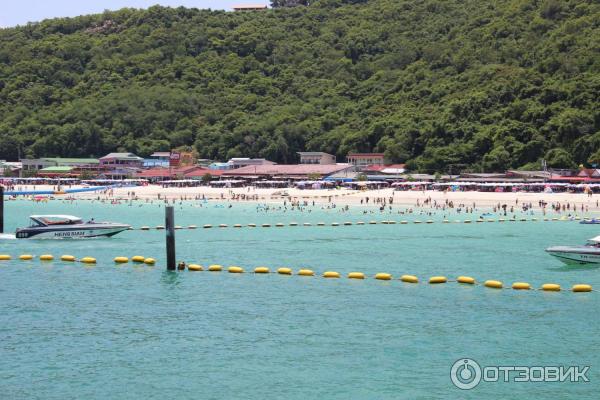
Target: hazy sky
[{"x": 19, "y": 12}]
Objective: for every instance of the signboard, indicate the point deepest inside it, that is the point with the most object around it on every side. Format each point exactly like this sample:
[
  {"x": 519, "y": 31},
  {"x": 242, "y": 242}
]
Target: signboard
[{"x": 174, "y": 159}]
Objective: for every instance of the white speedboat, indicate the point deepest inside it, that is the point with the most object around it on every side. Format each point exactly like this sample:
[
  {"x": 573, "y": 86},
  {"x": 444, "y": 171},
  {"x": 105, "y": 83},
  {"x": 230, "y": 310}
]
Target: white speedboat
[
  {"x": 67, "y": 226},
  {"x": 588, "y": 254}
]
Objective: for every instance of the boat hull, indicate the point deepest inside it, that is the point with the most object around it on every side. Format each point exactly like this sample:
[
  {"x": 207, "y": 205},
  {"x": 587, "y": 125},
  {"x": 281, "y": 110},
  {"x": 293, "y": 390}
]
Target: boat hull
[
  {"x": 575, "y": 256},
  {"x": 82, "y": 232}
]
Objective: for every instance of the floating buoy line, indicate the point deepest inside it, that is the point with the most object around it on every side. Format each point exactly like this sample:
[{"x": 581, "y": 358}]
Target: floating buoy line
[
  {"x": 360, "y": 223},
  {"x": 305, "y": 272}
]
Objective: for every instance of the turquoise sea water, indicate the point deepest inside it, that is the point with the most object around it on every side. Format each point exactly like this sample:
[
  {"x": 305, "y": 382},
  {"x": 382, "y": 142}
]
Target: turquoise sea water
[{"x": 69, "y": 331}]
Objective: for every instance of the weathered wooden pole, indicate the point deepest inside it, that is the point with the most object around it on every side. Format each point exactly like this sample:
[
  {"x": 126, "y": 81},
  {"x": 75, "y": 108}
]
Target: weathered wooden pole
[
  {"x": 1, "y": 209},
  {"x": 170, "y": 239}
]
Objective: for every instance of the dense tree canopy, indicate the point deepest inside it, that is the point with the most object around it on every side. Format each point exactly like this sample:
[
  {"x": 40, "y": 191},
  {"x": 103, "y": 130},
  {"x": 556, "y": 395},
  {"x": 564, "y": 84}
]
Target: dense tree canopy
[{"x": 440, "y": 84}]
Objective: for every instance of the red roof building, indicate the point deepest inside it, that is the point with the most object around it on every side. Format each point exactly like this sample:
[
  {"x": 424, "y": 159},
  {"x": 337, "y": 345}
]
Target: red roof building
[{"x": 284, "y": 171}]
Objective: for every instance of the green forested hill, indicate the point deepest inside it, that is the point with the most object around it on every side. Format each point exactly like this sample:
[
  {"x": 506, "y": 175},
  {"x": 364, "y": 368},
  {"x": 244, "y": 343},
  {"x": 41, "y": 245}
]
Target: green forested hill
[{"x": 462, "y": 84}]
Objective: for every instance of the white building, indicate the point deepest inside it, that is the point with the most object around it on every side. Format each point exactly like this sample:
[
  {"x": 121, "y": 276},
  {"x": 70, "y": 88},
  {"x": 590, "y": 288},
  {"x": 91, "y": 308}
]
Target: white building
[
  {"x": 316, "y": 157},
  {"x": 235, "y": 163}
]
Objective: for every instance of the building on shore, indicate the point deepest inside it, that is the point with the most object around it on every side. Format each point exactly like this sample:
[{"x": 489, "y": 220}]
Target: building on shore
[
  {"x": 159, "y": 174},
  {"x": 249, "y": 7},
  {"x": 316, "y": 157},
  {"x": 10, "y": 168},
  {"x": 36, "y": 164},
  {"x": 236, "y": 163},
  {"x": 120, "y": 160},
  {"x": 287, "y": 171},
  {"x": 157, "y": 159},
  {"x": 363, "y": 160}
]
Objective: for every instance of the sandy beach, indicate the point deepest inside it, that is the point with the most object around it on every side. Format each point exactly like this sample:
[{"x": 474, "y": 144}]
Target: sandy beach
[{"x": 340, "y": 197}]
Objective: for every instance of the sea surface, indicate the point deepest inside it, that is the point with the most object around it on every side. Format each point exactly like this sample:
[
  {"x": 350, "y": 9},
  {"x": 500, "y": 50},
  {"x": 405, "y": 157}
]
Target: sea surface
[{"x": 71, "y": 331}]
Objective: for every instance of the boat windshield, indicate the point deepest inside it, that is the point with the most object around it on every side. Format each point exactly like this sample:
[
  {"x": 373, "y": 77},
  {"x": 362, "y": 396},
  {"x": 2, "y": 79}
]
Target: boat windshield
[{"x": 51, "y": 221}]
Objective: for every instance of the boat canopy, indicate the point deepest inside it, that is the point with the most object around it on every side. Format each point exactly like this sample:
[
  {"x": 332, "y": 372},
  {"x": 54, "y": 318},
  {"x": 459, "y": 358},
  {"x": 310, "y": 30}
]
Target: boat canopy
[
  {"x": 594, "y": 239},
  {"x": 56, "y": 219}
]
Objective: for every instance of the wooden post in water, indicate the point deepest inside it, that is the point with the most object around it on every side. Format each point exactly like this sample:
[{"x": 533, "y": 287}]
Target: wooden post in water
[
  {"x": 1, "y": 209},
  {"x": 170, "y": 239}
]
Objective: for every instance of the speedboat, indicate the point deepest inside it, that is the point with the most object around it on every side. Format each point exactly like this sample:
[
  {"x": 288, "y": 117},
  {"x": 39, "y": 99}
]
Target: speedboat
[
  {"x": 592, "y": 221},
  {"x": 67, "y": 226},
  {"x": 588, "y": 254}
]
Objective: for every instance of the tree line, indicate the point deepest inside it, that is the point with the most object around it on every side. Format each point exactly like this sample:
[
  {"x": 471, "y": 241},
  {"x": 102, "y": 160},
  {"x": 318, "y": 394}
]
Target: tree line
[{"x": 439, "y": 84}]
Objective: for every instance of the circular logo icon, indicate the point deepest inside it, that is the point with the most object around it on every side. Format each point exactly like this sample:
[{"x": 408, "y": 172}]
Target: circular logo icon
[{"x": 465, "y": 374}]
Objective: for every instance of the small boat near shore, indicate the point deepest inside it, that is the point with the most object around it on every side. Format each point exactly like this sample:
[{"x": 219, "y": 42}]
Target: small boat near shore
[
  {"x": 592, "y": 221},
  {"x": 587, "y": 254},
  {"x": 67, "y": 227}
]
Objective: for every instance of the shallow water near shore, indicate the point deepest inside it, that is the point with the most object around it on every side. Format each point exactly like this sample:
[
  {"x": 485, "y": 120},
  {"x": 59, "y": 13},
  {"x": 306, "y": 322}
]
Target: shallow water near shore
[{"x": 127, "y": 331}]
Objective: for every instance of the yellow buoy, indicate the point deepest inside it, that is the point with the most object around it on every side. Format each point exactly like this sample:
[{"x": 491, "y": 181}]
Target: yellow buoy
[
  {"x": 521, "y": 286},
  {"x": 582, "y": 288},
  {"x": 46, "y": 257},
  {"x": 409, "y": 279},
  {"x": 149, "y": 261},
  {"x": 493, "y": 284},
  {"x": 284, "y": 271},
  {"x": 121, "y": 260},
  {"x": 88, "y": 260},
  {"x": 382, "y": 276},
  {"x": 465, "y": 279},
  {"x": 4, "y": 257},
  {"x": 438, "y": 279},
  {"x": 195, "y": 267},
  {"x": 138, "y": 259},
  {"x": 551, "y": 287},
  {"x": 235, "y": 270},
  {"x": 356, "y": 275},
  {"x": 26, "y": 257},
  {"x": 215, "y": 268},
  {"x": 331, "y": 274},
  {"x": 306, "y": 272},
  {"x": 261, "y": 270},
  {"x": 67, "y": 257}
]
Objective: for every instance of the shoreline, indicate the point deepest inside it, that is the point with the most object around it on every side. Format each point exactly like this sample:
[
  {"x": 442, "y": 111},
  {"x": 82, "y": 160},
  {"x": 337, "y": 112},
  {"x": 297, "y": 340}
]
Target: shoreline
[{"x": 340, "y": 197}]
